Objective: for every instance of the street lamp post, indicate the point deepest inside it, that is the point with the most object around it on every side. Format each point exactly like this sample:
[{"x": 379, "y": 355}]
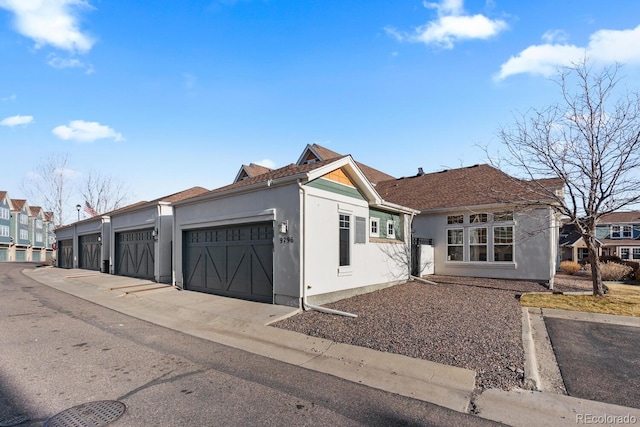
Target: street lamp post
[{"x": 78, "y": 209}]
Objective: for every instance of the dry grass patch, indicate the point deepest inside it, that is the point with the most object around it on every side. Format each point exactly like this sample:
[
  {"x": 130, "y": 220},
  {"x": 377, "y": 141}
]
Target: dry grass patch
[{"x": 622, "y": 300}]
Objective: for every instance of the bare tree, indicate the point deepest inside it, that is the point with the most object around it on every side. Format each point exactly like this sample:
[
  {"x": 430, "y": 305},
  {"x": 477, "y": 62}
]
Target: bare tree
[
  {"x": 102, "y": 193},
  {"x": 50, "y": 186},
  {"x": 591, "y": 141}
]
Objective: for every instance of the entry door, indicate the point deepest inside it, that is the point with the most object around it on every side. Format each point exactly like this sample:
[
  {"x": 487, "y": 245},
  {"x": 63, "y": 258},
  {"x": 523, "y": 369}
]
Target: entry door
[{"x": 232, "y": 261}]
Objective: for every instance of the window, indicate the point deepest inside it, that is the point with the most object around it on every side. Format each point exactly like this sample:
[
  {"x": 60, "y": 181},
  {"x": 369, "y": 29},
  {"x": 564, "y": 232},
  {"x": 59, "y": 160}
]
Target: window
[
  {"x": 361, "y": 230},
  {"x": 374, "y": 230},
  {"x": 477, "y": 244},
  {"x": 455, "y": 241},
  {"x": 39, "y": 224},
  {"x": 24, "y": 235},
  {"x": 503, "y": 244},
  {"x": 621, "y": 231},
  {"x": 583, "y": 254},
  {"x": 4, "y": 231},
  {"x": 4, "y": 213},
  {"x": 455, "y": 219},
  {"x": 391, "y": 229},
  {"x": 344, "y": 239},
  {"x": 477, "y": 218},
  {"x": 624, "y": 253},
  {"x": 503, "y": 216},
  {"x": 636, "y": 253},
  {"x": 24, "y": 219}
]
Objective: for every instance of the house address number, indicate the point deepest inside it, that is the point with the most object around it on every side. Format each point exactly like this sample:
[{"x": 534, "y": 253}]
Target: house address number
[{"x": 287, "y": 239}]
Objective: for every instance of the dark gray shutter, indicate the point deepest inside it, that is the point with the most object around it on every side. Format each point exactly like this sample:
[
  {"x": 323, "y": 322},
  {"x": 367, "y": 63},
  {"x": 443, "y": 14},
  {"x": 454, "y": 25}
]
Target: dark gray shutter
[{"x": 361, "y": 230}]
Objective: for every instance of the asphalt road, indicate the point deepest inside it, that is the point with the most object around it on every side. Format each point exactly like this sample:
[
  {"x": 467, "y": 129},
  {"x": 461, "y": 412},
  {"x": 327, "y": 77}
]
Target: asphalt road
[
  {"x": 58, "y": 351},
  {"x": 598, "y": 361}
]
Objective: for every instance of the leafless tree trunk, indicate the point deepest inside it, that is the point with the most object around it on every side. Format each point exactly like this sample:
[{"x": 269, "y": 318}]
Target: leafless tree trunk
[
  {"x": 103, "y": 193},
  {"x": 49, "y": 186},
  {"x": 591, "y": 141}
]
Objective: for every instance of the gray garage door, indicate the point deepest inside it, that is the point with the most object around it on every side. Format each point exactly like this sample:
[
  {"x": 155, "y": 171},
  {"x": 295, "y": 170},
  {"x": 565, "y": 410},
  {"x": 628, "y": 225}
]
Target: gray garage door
[
  {"x": 135, "y": 254},
  {"x": 35, "y": 256},
  {"x": 89, "y": 251},
  {"x": 21, "y": 255},
  {"x": 4, "y": 254},
  {"x": 65, "y": 253},
  {"x": 231, "y": 261}
]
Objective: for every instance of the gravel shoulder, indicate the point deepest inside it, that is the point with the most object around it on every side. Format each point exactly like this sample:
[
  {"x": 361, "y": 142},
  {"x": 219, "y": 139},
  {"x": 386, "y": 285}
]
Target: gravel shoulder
[{"x": 471, "y": 323}]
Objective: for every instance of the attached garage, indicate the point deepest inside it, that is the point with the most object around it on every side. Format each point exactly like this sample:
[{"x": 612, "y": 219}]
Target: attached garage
[
  {"x": 4, "y": 254},
  {"x": 234, "y": 261},
  {"x": 21, "y": 255},
  {"x": 89, "y": 255},
  {"x": 35, "y": 256},
  {"x": 135, "y": 254},
  {"x": 65, "y": 253}
]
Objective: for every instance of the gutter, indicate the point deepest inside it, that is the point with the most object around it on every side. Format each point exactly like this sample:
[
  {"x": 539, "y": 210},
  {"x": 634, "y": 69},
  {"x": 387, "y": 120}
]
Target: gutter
[{"x": 305, "y": 305}]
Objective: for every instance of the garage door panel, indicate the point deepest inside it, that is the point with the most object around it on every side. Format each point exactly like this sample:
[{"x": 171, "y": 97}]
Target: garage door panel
[
  {"x": 135, "y": 254},
  {"x": 231, "y": 261},
  {"x": 89, "y": 247},
  {"x": 65, "y": 253}
]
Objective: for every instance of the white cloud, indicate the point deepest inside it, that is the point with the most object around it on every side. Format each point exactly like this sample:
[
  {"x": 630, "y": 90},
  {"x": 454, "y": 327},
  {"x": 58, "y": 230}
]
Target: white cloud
[
  {"x": 605, "y": 46},
  {"x": 11, "y": 97},
  {"x": 16, "y": 120},
  {"x": 60, "y": 63},
  {"x": 453, "y": 25},
  {"x": 555, "y": 36},
  {"x": 266, "y": 163},
  {"x": 79, "y": 130},
  {"x": 50, "y": 22}
]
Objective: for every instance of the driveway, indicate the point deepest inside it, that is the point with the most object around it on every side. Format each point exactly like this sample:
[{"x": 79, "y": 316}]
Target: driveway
[{"x": 598, "y": 361}]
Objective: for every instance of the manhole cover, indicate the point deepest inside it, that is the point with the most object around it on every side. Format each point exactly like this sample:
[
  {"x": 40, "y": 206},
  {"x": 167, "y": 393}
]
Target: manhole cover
[
  {"x": 92, "y": 414},
  {"x": 13, "y": 421}
]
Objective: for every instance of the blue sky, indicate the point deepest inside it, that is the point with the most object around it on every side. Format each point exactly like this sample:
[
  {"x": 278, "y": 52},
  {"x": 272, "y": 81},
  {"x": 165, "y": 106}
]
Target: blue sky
[{"x": 167, "y": 95}]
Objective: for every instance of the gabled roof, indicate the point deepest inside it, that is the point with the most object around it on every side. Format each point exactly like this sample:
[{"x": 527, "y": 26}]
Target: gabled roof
[
  {"x": 620, "y": 217},
  {"x": 3, "y": 194},
  {"x": 48, "y": 216},
  {"x": 476, "y": 185},
  {"x": 250, "y": 170},
  {"x": 18, "y": 204},
  {"x": 34, "y": 210},
  {"x": 315, "y": 152},
  {"x": 569, "y": 235}
]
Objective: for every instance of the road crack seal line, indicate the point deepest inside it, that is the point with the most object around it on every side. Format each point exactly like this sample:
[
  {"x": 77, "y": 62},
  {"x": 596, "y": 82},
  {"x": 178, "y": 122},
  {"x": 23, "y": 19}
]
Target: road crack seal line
[{"x": 163, "y": 379}]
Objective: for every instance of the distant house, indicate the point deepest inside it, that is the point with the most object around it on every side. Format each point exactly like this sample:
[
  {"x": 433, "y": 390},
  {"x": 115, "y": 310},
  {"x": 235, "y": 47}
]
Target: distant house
[
  {"x": 617, "y": 234},
  {"x": 20, "y": 229},
  {"x": 482, "y": 222},
  {"x": 251, "y": 170},
  {"x": 36, "y": 233},
  {"x": 6, "y": 238}
]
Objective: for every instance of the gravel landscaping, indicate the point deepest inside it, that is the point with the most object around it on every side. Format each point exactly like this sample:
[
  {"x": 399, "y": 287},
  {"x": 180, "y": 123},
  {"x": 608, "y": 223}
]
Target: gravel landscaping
[{"x": 467, "y": 322}]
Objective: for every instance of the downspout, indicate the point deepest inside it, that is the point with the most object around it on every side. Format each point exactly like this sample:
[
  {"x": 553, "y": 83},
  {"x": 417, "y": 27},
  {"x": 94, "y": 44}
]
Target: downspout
[
  {"x": 305, "y": 304},
  {"x": 553, "y": 243}
]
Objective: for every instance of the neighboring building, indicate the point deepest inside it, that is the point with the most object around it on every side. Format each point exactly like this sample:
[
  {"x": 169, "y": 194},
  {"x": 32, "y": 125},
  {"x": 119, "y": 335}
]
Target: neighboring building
[
  {"x": 20, "y": 229},
  {"x": 482, "y": 222},
  {"x": 294, "y": 234},
  {"x": 6, "y": 238},
  {"x": 49, "y": 236},
  {"x": 36, "y": 234},
  {"x": 617, "y": 234}
]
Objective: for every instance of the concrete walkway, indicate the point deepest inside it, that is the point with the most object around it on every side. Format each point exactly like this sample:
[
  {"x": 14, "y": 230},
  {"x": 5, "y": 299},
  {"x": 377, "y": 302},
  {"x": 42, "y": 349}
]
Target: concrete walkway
[{"x": 244, "y": 325}]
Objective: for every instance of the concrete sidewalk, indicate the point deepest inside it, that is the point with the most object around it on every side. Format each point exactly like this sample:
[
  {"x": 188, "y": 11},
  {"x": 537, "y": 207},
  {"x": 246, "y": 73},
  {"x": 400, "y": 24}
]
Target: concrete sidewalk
[{"x": 243, "y": 325}]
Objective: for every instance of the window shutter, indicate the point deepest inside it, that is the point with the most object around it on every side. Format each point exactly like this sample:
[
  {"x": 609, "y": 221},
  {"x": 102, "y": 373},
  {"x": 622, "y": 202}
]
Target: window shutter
[{"x": 361, "y": 229}]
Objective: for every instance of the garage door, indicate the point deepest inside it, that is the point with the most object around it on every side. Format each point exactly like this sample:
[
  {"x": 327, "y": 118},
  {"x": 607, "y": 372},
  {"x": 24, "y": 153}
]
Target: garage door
[
  {"x": 35, "y": 256},
  {"x": 89, "y": 251},
  {"x": 65, "y": 253},
  {"x": 135, "y": 254},
  {"x": 21, "y": 255},
  {"x": 4, "y": 254},
  {"x": 231, "y": 261}
]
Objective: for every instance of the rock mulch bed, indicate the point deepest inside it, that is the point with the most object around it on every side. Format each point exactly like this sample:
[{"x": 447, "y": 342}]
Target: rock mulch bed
[{"x": 467, "y": 322}]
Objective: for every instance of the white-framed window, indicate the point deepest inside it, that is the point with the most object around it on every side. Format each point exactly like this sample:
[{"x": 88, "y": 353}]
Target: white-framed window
[
  {"x": 478, "y": 218},
  {"x": 5, "y": 213},
  {"x": 636, "y": 253},
  {"x": 503, "y": 216},
  {"x": 455, "y": 244},
  {"x": 39, "y": 237},
  {"x": 621, "y": 231},
  {"x": 39, "y": 224},
  {"x": 503, "y": 244},
  {"x": 344, "y": 237},
  {"x": 391, "y": 229},
  {"x": 374, "y": 227},
  {"x": 24, "y": 234},
  {"x": 24, "y": 219},
  {"x": 455, "y": 219},
  {"x": 4, "y": 231},
  {"x": 624, "y": 253},
  {"x": 478, "y": 244}
]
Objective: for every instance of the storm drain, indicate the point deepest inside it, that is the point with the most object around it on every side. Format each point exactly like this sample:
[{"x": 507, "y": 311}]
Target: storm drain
[
  {"x": 14, "y": 421},
  {"x": 92, "y": 414}
]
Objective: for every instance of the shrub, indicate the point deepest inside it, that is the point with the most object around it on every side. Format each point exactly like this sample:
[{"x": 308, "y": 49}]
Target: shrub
[
  {"x": 633, "y": 264},
  {"x": 610, "y": 258},
  {"x": 615, "y": 271},
  {"x": 569, "y": 267}
]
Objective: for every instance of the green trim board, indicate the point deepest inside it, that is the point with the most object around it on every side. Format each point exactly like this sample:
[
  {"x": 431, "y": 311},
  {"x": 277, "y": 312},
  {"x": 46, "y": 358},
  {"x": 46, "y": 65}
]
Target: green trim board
[{"x": 335, "y": 187}]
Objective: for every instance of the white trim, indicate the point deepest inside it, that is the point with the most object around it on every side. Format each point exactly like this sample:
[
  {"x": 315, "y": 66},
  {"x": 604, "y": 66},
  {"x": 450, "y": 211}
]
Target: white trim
[
  {"x": 391, "y": 223},
  {"x": 373, "y": 220}
]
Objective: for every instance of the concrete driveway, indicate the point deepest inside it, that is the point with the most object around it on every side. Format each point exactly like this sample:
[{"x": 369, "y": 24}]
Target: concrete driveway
[{"x": 598, "y": 361}]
